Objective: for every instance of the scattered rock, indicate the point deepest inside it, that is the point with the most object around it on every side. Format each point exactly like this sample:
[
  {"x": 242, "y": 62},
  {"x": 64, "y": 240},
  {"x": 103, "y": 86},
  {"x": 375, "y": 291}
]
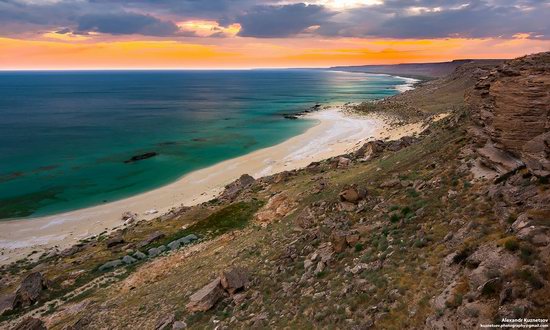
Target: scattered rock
[
  {"x": 128, "y": 260},
  {"x": 7, "y": 303},
  {"x": 129, "y": 217},
  {"x": 150, "y": 239},
  {"x": 207, "y": 297},
  {"x": 110, "y": 265},
  {"x": 30, "y": 289},
  {"x": 233, "y": 189},
  {"x": 174, "y": 245},
  {"x": 153, "y": 252},
  {"x": 140, "y": 255},
  {"x": 30, "y": 323},
  {"x": 165, "y": 322},
  {"x": 338, "y": 240},
  {"x": 343, "y": 162},
  {"x": 179, "y": 325},
  {"x": 277, "y": 207},
  {"x": 234, "y": 280},
  {"x": 369, "y": 150},
  {"x": 114, "y": 241},
  {"x": 351, "y": 194}
]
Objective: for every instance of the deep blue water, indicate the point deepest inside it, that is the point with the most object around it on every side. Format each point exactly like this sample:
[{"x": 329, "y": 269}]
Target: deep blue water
[{"x": 64, "y": 136}]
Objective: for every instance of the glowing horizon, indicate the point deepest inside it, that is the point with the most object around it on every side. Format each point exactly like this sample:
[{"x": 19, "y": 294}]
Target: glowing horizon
[{"x": 244, "y": 34}]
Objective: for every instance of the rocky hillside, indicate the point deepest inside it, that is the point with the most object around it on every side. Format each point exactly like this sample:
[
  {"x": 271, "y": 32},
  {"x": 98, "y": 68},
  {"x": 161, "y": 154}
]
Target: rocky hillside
[
  {"x": 420, "y": 70},
  {"x": 445, "y": 230}
]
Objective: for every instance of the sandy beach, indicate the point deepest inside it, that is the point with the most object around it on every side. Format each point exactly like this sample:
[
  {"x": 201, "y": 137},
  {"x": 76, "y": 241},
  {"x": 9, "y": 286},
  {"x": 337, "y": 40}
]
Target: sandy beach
[{"x": 335, "y": 133}]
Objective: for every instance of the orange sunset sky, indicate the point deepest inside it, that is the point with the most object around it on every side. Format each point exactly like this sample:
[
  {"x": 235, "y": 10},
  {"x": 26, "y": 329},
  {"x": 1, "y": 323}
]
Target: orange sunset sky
[{"x": 101, "y": 34}]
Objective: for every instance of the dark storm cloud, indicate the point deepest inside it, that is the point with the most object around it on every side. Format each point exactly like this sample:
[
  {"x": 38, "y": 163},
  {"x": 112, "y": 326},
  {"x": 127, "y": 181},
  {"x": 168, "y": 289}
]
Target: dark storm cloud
[
  {"x": 126, "y": 23},
  {"x": 270, "y": 18},
  {"x": 475, "y": 20},
  {"x": 439, "y": 19},
  {"x": 281, "y": 21}
]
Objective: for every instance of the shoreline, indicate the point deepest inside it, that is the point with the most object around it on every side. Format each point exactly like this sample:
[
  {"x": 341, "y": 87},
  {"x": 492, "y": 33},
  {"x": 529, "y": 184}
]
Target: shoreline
[{"x": 335, "y": 133}]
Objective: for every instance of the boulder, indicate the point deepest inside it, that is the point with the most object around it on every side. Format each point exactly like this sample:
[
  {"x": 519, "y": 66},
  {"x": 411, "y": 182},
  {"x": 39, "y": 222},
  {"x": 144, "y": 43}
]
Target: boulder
[
  {"x": 234, "y": 280},
  {"x": 30, "y": 323},
  {"x": 174, "y": 245},
  {"x": 30, "y": 289},
  {"x": 114, "y": 241},
  {"x": 110, "y": 265},
  {"x": 536, "y": 155},
  {"x": 128, "y": 260},
  {"x": 233, "y": 189},
  {"x": 338, "y": 240},
  {"x": 7, "y": 303},
  {"x": 369, "y": 150},
  {"x": 390, "y": 183},
  {"x": 207, "y": 297},
  {"x": 140, "y": 255},
  {"x": 165, "y": 322},
  {"x": 343, "y": 162},
  {"x": 188, "y": 239},
  {"x": 350, "y": 194},
  {"x": 179, "y": 325},
  {"x": 151, "y": 238},
  {"x": 129, "y": 217},
  {"x": 153, "y": 252}
]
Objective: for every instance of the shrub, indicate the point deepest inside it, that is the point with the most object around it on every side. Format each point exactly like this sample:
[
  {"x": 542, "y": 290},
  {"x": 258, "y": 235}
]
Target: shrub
[{"x": 511, "y": 244}]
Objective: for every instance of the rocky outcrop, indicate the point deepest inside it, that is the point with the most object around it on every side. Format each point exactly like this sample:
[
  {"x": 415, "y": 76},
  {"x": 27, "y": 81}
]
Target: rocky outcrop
[
  {"x": 234, "y": 280},
  {"x": 277, "y": 207},
  {"x": 207, "y": 297},
  {"x": 511, "y": 107},
  {"x": 233, "y": 189},
  {"x": 30, "y": 289}
]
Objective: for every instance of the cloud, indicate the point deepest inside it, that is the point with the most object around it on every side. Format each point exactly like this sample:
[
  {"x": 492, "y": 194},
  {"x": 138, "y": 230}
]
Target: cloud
[
  {"x": 282, "y": 18},
  {"x": 441, "y": 19},
  {"x": 126, "y": 23},
  {"x": 281, "y": 21},
  {"x": 477, "y": 19}
]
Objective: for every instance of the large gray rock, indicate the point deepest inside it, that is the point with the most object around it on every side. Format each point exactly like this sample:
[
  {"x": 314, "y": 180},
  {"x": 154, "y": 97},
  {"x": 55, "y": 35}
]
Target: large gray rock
[
  {"x": 30, "y": 289},
  {"x": 234, "y": 280},
  {"x": 188, "y": 239},
  {"x": 128, "y": 260},
  {"x": 140, "y": 255},
  {"x": 174, "y": 245},
  {"x": 30, "y": 323},
  {"x": 153, "y": 252},
  {"x": 207, "y": 297},
  {"x": 110, "y": 265}
]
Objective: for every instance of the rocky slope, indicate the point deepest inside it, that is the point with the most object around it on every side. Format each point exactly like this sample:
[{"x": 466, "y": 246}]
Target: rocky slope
[{"x": 445, "y": 230}]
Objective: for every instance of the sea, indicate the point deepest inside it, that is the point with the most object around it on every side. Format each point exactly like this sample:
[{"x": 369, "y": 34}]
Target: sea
[{"x": 67, "y": 138}]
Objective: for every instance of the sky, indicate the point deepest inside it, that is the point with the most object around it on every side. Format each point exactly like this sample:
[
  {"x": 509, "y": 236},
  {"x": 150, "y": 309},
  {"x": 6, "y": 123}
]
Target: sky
[{"x": 235, "y": 34}]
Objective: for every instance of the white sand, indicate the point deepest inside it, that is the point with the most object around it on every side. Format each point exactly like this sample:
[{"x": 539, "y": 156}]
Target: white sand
[{"x": 336, "y": 133}]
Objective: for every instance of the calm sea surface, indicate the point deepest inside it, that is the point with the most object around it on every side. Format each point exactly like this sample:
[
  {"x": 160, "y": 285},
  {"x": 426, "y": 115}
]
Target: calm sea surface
[{"x": 65, "y": 136}]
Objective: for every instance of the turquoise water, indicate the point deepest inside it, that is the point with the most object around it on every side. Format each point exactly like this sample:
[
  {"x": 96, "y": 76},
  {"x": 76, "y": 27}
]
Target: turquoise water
[{"x": 65, "y": 136}]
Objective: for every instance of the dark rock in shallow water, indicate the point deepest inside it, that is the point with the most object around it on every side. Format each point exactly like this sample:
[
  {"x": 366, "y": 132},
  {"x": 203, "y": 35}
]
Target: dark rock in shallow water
[
  {"x": 141, "y": 157},
  {"x": 290, "y": 116}
]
